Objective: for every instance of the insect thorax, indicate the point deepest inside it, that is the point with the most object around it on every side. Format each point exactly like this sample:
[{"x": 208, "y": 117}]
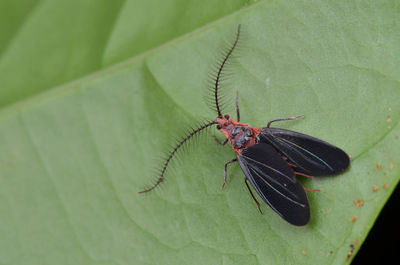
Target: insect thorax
[{"x": 240, "y": 136}]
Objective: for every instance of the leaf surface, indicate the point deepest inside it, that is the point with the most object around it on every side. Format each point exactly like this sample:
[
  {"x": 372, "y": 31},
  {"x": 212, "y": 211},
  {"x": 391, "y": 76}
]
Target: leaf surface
[{"x": 73, "y": 157}]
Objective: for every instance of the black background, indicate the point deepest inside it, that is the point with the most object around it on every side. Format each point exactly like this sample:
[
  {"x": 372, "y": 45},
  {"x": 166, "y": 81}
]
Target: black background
[{"x": 382, "y": 243}]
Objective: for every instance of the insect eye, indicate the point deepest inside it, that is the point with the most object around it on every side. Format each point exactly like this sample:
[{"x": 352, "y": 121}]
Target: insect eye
[
  {"x": 218, "y": 127},
  {"x": 226, "y": 116}
]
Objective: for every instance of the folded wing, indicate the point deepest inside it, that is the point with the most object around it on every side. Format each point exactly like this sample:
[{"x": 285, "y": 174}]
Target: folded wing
[
  {"x": 311, "y": 156},
  {"x": 275, "y": 182}
]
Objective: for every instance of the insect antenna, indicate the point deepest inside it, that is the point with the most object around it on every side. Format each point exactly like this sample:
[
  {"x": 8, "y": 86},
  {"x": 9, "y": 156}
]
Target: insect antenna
[
  {"x": 173, "y": 152},
  {"x": 217, "y": 78}
]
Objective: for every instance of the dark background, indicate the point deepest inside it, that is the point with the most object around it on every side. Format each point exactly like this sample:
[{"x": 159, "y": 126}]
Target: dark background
[{"x": 382, "y": 243}]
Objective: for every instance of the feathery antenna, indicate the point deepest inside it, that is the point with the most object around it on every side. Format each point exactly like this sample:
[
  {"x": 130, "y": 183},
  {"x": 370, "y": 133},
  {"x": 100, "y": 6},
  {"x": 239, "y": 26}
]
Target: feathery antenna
[
  {"x": 205, "y": 125},
  {"x": 221, "y": 67},
  {"x": 173, "y": 152}
]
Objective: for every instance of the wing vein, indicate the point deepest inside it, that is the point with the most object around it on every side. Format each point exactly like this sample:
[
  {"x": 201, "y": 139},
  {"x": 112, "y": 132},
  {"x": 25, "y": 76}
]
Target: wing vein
[
  {"x": 308, "y": 152},
  {"x": 277, "y": 191},
  {"x": 273, "y": 169}
]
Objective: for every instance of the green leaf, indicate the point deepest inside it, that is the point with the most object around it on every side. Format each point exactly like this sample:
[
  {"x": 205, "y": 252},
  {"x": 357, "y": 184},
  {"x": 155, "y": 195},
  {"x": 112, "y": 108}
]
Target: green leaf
[
  {"x": 44, "y": 44},
  {"x": 75, "y": 154}
]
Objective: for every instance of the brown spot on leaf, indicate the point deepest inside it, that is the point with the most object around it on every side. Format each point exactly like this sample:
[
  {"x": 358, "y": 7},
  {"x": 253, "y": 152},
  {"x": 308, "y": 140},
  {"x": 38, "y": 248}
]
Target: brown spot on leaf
[
  {"x": 358, "y": 203},
  {"x": 350, "y": 253}
]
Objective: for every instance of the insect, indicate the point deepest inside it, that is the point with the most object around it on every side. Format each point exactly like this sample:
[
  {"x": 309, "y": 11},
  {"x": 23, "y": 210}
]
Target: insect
[{"x": 270, "y": 158}]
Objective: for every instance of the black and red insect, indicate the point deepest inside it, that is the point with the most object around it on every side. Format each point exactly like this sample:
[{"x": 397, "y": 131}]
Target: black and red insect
[{"x": 270, "y": 157}]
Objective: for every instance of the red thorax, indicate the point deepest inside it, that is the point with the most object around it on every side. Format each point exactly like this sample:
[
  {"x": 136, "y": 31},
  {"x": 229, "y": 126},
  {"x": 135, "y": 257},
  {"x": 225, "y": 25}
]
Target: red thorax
[{"x": 239, "y": 135}]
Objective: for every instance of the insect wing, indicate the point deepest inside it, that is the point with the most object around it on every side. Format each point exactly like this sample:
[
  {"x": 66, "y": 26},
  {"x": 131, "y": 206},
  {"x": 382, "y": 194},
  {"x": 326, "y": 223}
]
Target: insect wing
[
  {"x": 311, "y": 156},
  {"x": 275, "y": 182}
]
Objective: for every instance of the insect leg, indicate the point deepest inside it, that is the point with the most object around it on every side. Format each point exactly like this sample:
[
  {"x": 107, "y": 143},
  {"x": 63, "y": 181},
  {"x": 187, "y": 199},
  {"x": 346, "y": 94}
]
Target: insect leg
[
  {"x": 225, "y": 169},
  {"x": 285, "y": 119},
  {"x": 220, "y": 142},
  {"x": 302, "y": 174},
  {"x": 237, "y": 106},
  {"x": 252, "y": 195},
  {"x": 290, "y": 164}
]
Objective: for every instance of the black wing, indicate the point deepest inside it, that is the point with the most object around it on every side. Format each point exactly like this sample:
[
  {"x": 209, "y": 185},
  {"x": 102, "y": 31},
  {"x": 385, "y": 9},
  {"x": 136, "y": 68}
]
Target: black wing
[
  {"x": 310, "y": 155},
  {"x": 275, "y": 182}
]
